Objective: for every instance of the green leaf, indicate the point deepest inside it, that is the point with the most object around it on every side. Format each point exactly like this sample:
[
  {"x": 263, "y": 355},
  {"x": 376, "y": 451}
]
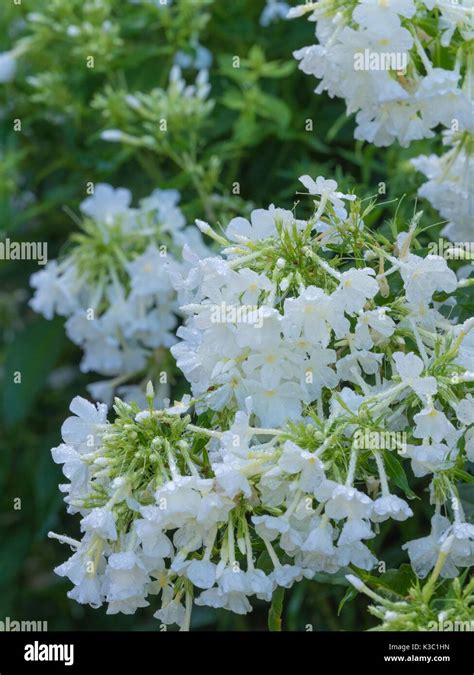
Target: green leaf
[
  {"x": 349, "y": 595},
  {"x": 29, "y": 359},
  {"x": 337, "y": 126},
  {"x": 466, "y": 494},
  {"x": 464, "y": 476},
  {"x": 277, "y": 69},
  {"x": 233, "y": 99},
  {"x": 397, "y": 581},
  {"x": 337, "y": 579},
  {"x": 273, "y": 108},
  {"x": 247, "y": 131},
  {"x": 264, "y": 562},
  {"x": 397, "y": 473}
]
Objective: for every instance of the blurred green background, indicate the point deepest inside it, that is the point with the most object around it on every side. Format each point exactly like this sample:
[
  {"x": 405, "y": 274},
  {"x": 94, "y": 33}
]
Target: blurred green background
[{"x": 257, "y": 130}]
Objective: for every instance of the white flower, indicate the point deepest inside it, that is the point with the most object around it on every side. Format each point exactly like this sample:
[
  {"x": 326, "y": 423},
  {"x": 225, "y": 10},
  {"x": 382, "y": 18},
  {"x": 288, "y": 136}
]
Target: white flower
[
  {"x": 373, "y": 326},
  {"x": 318, "y": 373},
  {"x": 294, "y": 460},
  {"x": 373, "y": 13},
  {"x": 260, "y": 584},
  {"x": 100, "y": 521},
  {"x": 270, "y": 455},
  {"x": 121, "y": 318},
  {"x": 286, "y": 575},
  {"x": 390, "y": 506},
  {"x": 179, "y": 407},
  {"x": 430, "y": 458},
  {"x": 313, "y": 314},
  {"x": 320, "y": 538},
  {"x": 350, "y": 399},
  {"x": 269, "y": 527},
  {"x": 154, "y": 542},
  {"x": 369, "y": 362},
  {"x": 172, "y": 612},
  {"x": 148, "y": 273},
  {"x": 461, "y": 550},
  {"x": 395, "y": 119},
  {"x": 87, "y": 583},
  {"x": 231, "y": 478},
  {"x": 356, "y": 554},
  {"x": 230, "y": 594},
  {"x": 201, "y": 573},
  {"x": 106, "y": 203},
  {"x": 250, "y": 285},
  {"x": 354, "y": 530},
  {"x": 263, "y": 224},
  {"x": 125, "y": 578},
  {"x": 54, "y": 290},
  {"x": 87, "y": 425},
  {"x": 424, "y": 552},
  {"x": 356, "y": 287},
  {"x": 272, "y": 403},
  {"x": 236, "y": 440},
  {"x": 465, "y": 410},
  {"x": 214, "y": 508},
  {"x": 168, "y": 213},
  {"x": 102, "y": 391},
  {"x": 327, "y": 189},
  {"x": 409, "y": 367},
  {"x": 347, "y": 502},
  {"x": 423, "y": 276},
  {"x": 439, "y": 94},
  {"x": 75, "y": 469},
  {"x": 432, "y": 423}
]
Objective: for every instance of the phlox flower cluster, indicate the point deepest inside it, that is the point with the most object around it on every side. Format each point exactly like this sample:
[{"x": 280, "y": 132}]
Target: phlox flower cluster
[
  {"x": 449, "y": 186},
  {"x": 112, "y": 284},
  {"x": 258, "y": 477},
  {"x": 404, "y": 68},
  {"x": 402, "y": 103}
]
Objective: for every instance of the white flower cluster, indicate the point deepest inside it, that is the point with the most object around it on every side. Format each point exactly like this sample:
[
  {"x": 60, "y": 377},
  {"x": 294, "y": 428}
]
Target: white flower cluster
[
  {"x": 371, "y": 54},
  {"x": 449, "y": 187},
  {"x": 404, "y": 67},
  {"x": 113, "y": 284},
  {"x": 204, "y": 502}
]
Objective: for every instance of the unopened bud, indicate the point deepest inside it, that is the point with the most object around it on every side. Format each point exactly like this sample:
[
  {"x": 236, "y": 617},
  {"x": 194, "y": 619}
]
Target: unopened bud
[
  {"x": 150, "y": 390},
  {"x": 355, "y": 581}
]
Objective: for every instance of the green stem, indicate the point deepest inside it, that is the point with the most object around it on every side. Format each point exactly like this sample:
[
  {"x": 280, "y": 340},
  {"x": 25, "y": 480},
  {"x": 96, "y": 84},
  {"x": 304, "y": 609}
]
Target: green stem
[{"x": 276, "y": 609}]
